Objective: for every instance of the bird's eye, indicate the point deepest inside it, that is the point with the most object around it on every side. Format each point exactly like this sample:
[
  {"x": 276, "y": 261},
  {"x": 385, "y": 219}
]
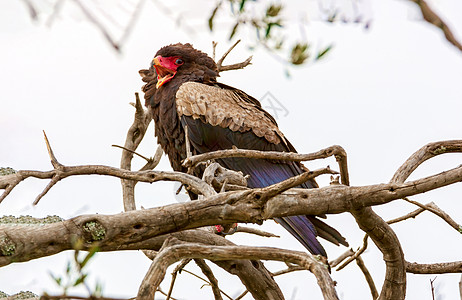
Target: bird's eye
[{"x": 179, "y": 61}]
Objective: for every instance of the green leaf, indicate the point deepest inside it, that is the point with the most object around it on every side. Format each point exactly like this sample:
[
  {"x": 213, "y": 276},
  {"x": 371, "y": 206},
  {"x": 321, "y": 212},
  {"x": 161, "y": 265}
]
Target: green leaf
[
  {"x": 80, "y": 279},
  {"x": 233, "y": 32},
  {"x": 214, "y": 12},
  {"x": 98, "y": 289},
  {"x": 68, "y": 268},
  {"x": 57, "y": 279},
  {"x": 273, "y": 10},
  {"x": 323, "y": 52},
  {"x": 90, "y": 254},
  {"x": 241, "y": 7},
  {"x": 299, "y": 54},
  {"x": 269, "y": 26}
]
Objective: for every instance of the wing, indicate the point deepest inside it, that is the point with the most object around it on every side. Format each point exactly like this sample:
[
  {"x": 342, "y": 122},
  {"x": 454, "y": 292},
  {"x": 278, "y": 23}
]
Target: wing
[{"x": 219, "y": 117}]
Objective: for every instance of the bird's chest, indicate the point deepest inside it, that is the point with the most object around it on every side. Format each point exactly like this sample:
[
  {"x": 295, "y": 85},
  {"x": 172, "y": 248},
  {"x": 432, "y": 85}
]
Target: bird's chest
[{"x": 169, "y": 132}]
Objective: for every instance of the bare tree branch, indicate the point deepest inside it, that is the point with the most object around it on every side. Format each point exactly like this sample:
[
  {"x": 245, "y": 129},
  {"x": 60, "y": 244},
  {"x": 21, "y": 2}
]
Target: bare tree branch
[
  {"x": 255, "y": 231},
  {"x": 236, "y": 66},
  {"x": 436, "y": 268},
  {"x": 212, "y": 279},
  {"x": 288, "y": 270},
  {"x": 460, "y": 286},
  {"x": 432, "y": 207},
  {"x": 223, "y": 208},
  {"x": 10, "y": 181},
  {"x": 355, "y": 254},
  {"x": 394, "y": 286},
  {"x": 177, "y": 269},
  {"x": 135, "y": 134},
  {"x": 98, "y": 25},
  {"x": 172, "y": 252},
  {"x": 426, "y": 152},
  {"x": 412, "y": 214},
  {"x": 431, "y": 17},
  {"x": 367, "y": 275},
  {"x": 335, "y": 262}
]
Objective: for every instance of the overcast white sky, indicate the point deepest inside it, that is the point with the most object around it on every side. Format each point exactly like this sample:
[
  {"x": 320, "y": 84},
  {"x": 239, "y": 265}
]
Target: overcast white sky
[{"x": 381, "y": 93}]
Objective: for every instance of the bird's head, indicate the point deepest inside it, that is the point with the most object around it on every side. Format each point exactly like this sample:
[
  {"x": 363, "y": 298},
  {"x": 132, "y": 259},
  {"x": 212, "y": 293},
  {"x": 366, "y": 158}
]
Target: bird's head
[{"x": 180, "y": 60}]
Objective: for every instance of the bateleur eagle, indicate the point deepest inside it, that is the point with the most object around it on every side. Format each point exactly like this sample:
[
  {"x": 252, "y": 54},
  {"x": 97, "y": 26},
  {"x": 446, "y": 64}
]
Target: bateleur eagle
[{"x": 182, "y": 90}]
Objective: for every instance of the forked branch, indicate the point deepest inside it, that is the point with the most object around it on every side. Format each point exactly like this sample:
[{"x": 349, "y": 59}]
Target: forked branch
[
  {"x": 173, "y": 251},
  {"x": 236, "y": 66}
]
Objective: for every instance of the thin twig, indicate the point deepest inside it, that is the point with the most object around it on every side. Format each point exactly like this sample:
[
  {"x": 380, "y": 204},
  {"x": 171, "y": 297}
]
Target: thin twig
[
  {"x": 431, "y": 17},
  {"x": 432, "y": 207},
  {"x": 242, "y": 295},
  {"x": 276, "y": 155},
  {"x": 336, "y": 150},
  {"x": 175, "y": 272},
  {"x": 54, "y": 180},
  {"x": 255, "y": 231},
  {"x": 213, "y": 282},
  {"x": 220, "y": 61},
  {"x": 98, "y": 25},
  {"x": 132, "y": 151},
  {"x": 357, "y": 253},
  {"x": 214, "y": 48},
  {"x": 367, "y": 275},
  {"x": 164, "y": 293},
  {"x": 49, "y": 297},
  {"x": 412, "y": 214},
  {"x": 237, "y": 66},
  {"x": 54, "y": 161},
  {"x": 432, "y": 287},
  {"x": 288, "y": 270},
  {"x": 335, "y": 262},
  {"x": 460, "y": 286}
]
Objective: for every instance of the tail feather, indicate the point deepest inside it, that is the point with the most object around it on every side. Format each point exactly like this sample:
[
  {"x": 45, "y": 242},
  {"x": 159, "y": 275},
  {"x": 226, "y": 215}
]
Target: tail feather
[
  {"x": 301, "y": 228},
  {"x": 327, "y": 232}
]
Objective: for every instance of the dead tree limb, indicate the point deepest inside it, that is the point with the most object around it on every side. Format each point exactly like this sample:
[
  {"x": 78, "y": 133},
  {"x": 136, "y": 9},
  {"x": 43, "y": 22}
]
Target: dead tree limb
[
  {"x": 173, "y": 251},
  {"x": 394, "y": 286},
  {"x": 236, "y": 66},
  {"x": 223, "y": 208},
  {"x": 431, "y": 17},
  {"x": 426, "y": 152},
  {"x": 337, "y": 151},
  {"x": 367, "y": 275},
  {"x": 135, "y": 134},
  {"x": 432, "y": 207},
  {"x": 212, "y": 279},
  {"x": 436, "y": 268}
]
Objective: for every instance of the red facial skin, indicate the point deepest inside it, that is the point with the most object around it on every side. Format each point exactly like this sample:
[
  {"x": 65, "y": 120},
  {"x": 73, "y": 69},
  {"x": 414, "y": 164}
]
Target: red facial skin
[{"x": 166, "y": 68}]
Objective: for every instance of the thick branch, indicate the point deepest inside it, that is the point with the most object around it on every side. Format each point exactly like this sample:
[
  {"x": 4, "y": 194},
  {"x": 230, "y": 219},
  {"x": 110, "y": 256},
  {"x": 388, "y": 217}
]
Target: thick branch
[
  {"x": 224, "y": 208},
  {"x": 134, "y": 137},
  {"x": 436, "y": 268},
  {"x": 175, "y": 252},
  {"x": 426, "y": 152},
  {"x": 394, "y": 286}
]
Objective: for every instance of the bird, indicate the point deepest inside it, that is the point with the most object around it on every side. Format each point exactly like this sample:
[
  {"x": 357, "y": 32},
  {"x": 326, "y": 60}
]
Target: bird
[{"x": 183, "y": 92}]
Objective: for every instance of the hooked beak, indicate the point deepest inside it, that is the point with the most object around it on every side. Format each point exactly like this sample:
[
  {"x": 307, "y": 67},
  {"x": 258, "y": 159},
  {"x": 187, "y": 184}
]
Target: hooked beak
[{"x": 164, "y": 74}]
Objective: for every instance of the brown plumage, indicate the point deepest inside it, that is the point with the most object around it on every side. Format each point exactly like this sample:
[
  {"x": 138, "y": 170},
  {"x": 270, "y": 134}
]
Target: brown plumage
[{"x": 182, "y": 90}]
